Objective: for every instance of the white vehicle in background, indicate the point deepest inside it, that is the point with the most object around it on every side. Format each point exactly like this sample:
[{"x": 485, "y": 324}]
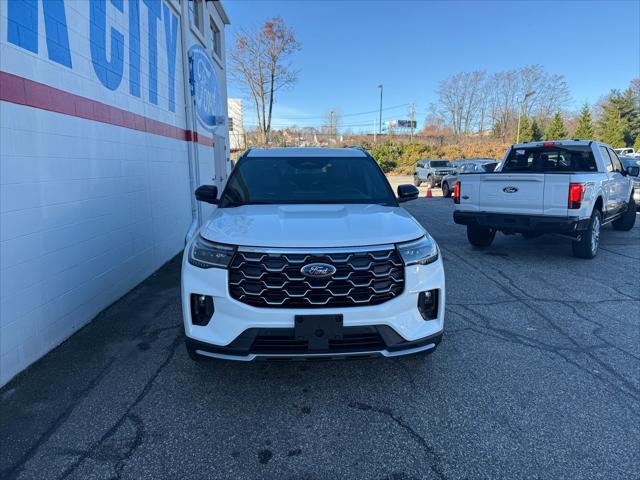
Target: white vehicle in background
[
  {"x": 625, "y": 152},
  {"x": 309, "y": 255},
  {"x": 570, "y": 187}
]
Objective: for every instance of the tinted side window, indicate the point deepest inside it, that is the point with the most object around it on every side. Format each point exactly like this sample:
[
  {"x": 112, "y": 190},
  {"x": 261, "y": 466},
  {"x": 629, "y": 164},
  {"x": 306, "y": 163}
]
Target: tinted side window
[
  {"x": 617, "y": 165},
  {"x": 607, "y": 159}
]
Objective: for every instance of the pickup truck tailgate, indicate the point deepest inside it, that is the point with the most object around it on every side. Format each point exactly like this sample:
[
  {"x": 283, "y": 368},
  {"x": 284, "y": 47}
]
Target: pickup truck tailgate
[{"x": 523, "y": 193}]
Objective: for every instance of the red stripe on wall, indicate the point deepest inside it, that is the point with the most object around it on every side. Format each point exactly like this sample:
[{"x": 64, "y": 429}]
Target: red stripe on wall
[{"x": 23, "y": 91}]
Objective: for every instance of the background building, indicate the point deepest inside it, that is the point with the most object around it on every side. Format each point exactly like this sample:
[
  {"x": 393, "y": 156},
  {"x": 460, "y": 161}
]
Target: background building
[
  {"x": 237, "y": 137},
  {"x": 103, "y": 139}
]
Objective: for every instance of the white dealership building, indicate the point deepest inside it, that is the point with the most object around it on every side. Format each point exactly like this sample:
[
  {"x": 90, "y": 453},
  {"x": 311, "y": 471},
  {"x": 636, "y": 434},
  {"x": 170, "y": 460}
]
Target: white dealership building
[{"x": 111, "y": 113}]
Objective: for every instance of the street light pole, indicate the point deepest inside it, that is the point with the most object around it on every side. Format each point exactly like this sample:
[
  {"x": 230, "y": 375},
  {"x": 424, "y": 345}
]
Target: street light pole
[
  {"x": 522, "y": 105},
  {"x": 380, "y": 119}
]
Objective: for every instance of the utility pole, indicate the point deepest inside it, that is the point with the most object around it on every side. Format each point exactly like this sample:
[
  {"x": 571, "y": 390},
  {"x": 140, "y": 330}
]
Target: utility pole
[
  {"x": 380, "y": 119},
  {"x": 412, "y": 112},
  {"x": 331, "y": 132}
]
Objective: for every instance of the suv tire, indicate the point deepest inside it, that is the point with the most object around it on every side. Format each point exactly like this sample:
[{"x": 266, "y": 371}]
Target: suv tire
[
  {"x": 628, "y": 218},
  {"x": 193, "y": 355},
  {"x": 480, "y": 236},
  {"x": 446, "y": 191},
  {"x": 416, "y": 180},
  {"x": 430, "y": 183},
  {"x": 587, "y": 246}
]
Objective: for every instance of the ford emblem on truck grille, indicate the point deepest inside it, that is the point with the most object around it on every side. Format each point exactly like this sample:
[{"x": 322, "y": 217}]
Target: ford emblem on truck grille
[
  {"x": 318, "y": 270},
  {"x": 509, "y": 189}
]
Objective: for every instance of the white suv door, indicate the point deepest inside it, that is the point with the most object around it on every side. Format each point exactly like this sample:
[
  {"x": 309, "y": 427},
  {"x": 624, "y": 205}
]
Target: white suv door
[{"x": 421, "y": 169}]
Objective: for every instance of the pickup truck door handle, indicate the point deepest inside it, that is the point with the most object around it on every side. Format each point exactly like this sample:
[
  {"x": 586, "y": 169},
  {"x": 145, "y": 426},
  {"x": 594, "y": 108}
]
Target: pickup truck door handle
[{"x": 466, "y": 197}]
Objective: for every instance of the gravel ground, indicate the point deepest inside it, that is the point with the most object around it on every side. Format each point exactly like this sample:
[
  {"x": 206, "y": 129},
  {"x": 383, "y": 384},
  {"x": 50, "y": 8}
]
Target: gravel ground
[{"x": 538, "y": 376}]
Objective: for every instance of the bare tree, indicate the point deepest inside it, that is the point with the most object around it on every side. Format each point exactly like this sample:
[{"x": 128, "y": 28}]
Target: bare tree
[
  {"x": 260, "y": 62},
  {"x": 331, "y": 124},
  {"x": 459, "y": 100}
]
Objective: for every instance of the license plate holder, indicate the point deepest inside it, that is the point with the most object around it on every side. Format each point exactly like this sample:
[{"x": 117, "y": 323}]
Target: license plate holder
[{"x": 317, "y": 330}]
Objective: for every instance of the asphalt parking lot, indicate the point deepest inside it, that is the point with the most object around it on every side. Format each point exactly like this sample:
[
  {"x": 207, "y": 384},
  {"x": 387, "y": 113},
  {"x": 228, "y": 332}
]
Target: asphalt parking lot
[{"x": 538, "y": 376}]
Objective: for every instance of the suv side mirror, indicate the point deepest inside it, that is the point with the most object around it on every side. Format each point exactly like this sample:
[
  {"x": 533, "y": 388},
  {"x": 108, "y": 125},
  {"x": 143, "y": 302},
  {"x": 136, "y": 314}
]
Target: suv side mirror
[
  {"x": 207, "y": 193},
  {"x": 407, "y": 192},
  {"x": 633, "y": 171}
]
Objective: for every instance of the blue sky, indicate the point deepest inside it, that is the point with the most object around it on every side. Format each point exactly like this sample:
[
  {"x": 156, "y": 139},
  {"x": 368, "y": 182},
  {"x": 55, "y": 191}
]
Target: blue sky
[{"x": 349, "y": 47}]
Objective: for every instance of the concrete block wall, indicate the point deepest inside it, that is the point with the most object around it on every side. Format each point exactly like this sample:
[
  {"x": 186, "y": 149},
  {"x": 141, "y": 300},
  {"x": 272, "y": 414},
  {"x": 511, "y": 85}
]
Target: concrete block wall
[{"x": 94, "y": 178}]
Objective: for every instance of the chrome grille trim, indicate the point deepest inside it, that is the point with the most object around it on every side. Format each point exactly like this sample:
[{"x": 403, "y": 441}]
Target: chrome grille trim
[{"x": 271, "y": 278}]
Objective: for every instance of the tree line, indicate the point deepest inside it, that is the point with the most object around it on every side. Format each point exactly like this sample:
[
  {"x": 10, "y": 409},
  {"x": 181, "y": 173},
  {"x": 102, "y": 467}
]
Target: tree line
[{"x": 528, "y": 104}]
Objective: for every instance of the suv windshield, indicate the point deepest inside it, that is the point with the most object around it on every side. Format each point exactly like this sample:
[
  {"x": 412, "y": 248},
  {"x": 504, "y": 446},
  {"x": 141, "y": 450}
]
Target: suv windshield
[
  {"x": 440, "y": 163},
  {"x": 272, "y": 180},
  {"x": 557, "y": 158}
]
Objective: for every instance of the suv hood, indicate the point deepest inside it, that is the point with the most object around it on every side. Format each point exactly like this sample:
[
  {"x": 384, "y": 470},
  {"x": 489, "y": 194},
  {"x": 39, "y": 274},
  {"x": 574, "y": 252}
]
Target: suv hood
[{"x": 311, "y": 225}]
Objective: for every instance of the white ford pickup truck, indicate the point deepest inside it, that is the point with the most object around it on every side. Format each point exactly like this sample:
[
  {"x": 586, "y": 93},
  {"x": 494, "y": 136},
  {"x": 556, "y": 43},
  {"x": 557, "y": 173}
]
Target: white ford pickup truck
[{"x": 568, "y": 187}]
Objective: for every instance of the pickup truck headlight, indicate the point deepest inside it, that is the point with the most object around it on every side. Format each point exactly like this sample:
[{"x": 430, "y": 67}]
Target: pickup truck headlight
[
  {"x": 419, "y": 252},
  {"x": 206, "y": 254}
]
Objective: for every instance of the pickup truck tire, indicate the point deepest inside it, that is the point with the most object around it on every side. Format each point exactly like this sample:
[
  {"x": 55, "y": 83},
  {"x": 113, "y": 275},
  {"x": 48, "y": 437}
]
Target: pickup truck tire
[
  {"x": 416, "y": 180},
  {"x": 587, "y": 246},
  {"x": 480, "y": 236},
  {"x": 446, "y": 191},
  {"x": 628, "y": 219}
]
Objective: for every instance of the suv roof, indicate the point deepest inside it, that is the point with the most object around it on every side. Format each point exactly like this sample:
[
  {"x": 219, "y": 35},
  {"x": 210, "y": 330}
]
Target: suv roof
[{"x": 297, "y": 152}]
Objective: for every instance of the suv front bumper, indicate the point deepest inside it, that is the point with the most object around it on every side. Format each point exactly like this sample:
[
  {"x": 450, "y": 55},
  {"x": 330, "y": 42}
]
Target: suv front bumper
[
  {"x": 238, "y": 331},
  {"x": 522, "y": 223}
]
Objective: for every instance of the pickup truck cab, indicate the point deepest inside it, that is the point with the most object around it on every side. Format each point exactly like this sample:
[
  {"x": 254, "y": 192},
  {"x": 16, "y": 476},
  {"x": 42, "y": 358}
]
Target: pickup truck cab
[
  {"x": 568, "y": 187},
  {"x": 432, "y": 172}
]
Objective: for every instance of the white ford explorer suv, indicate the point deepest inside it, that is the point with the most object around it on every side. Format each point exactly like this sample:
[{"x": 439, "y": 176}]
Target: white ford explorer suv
[
  {"x": 568, "y": 187},
  {"x": 308, "y": 255}
]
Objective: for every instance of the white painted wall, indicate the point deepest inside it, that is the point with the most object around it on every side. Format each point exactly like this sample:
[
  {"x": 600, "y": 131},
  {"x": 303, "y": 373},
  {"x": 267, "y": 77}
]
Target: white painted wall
[{"x": 87, "y": 209}]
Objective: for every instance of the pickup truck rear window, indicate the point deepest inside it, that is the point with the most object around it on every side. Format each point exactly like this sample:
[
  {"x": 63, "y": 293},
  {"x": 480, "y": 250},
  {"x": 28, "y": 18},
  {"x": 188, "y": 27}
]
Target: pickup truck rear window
[{"x": 576, "y": 158}]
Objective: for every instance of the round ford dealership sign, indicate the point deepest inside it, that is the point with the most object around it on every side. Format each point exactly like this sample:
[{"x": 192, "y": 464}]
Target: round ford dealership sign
[{"x": 204, "y": 87}]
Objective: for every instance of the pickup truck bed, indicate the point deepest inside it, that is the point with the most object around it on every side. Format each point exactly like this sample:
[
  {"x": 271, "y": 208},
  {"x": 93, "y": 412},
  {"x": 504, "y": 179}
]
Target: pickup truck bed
[{"x": 550, "y": 187}]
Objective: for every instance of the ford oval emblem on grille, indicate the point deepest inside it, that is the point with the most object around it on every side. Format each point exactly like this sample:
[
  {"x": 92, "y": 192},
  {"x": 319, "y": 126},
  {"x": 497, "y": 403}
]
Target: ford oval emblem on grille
[
  {"x": 509, "y": 189},
  {"x": 318, "y": 270}
]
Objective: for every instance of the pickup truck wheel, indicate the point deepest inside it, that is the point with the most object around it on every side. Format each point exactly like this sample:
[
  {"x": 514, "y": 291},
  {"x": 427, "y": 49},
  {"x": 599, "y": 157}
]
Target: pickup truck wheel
[
  {"x": 480, "y": 236},
  {"x": 446, "y": 192},
  {"x": 587, "y": 246},
  {"x": 430, "y": 181},
  {"x": 628, "y": 219},
  {"x": 416, "y": 180}
]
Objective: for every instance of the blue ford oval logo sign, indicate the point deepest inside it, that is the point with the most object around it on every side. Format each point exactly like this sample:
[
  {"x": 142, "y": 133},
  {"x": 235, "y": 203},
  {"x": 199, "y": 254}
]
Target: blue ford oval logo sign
[
  {"x": 509, "y": 189},
  {"x": 318, "y": 270},
  {"x": 205, "y": 89}
]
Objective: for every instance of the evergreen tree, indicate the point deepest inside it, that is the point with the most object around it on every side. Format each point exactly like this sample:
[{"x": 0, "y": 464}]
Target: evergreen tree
[
  {"x": 636, "y": 146},
  {"x": 536, "y": 131},
  {"x": 627, "y": 105},
  {"x": 526, "y": 132},
  {"x": 585, "y": 129},
  {"x": 556, "y": 129},
  {"x": 612, "y": 127}
]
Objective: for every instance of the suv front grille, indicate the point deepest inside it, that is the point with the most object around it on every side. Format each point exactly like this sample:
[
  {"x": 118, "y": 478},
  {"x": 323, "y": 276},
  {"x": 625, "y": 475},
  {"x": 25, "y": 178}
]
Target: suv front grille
[{"x": 362, "y": 277}]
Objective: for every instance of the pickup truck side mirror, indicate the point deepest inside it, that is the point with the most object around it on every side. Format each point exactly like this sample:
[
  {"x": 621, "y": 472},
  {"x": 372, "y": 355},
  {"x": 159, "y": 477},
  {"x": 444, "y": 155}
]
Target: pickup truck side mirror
[
  {"x": 633, "y": 171},
  {"x": 207, "y": 193},
  {"x": 407, "y": 192}
]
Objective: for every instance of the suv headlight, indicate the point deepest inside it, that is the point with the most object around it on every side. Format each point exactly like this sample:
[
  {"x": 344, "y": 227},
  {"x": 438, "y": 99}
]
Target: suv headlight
[
  {"x": 419, "y": 252},
  {"x": 206, "y": 254}
]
